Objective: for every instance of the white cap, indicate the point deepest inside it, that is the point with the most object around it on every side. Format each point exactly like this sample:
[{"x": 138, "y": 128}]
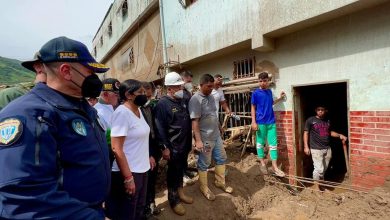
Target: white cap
[{"x": 173, "y": 79}]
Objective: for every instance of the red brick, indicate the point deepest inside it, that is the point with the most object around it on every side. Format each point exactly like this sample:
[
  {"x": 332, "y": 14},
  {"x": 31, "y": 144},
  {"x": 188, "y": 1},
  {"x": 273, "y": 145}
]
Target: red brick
[
  {"x": 383, "y": 149},
  {"x": 362, "y": 113},
  {"x": 376, "y": 131},
  {"x": 362, "y": 147},
  {"x": 356, "y": 119},
  {"x": 362, "y": 125},
  {"x": 363, "y": 136},
  {"x": 376, "y": 119},
  {"x": 377, "y": 143},
  {"x": 382, "y": 138},
  {"x": 356, "y": 141},
  {"x": 382, "y": 113},
  {"x": 357, "y": 130},
  {"x": 383, "y": 125},
  {"x": 375, "y": 155}
]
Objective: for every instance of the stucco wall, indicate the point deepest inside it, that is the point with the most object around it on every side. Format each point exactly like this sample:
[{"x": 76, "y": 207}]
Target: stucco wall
[
  {"x": 120, "y": 24},
  {"x": 355, "y": 47},
  {"x": 209, "y": 26},
  {"x": 146, "y": 44}
]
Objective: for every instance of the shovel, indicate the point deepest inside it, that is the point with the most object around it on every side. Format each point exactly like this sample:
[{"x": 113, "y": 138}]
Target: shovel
[{"x": 346, "y": 157}]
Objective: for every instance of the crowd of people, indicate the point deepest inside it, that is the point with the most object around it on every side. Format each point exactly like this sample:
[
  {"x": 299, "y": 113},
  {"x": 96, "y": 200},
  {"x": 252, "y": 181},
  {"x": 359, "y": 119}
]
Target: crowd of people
[{"x": 76, "y": 147}]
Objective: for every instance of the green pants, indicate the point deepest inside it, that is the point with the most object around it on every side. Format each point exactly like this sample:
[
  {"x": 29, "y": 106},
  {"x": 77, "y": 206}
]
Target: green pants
[{"x": 267, "y": 133}]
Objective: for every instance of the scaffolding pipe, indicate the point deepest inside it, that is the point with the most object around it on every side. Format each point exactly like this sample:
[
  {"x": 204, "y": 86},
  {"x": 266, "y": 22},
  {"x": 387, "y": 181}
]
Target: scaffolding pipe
[{"x": 164, "y": 46}]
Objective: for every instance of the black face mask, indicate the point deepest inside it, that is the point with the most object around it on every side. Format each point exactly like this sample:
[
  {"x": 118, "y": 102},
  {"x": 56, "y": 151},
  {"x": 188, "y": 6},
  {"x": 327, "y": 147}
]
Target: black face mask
[
  {"x": 140, "y": 100},
  {"x": 91, "y": 87}
]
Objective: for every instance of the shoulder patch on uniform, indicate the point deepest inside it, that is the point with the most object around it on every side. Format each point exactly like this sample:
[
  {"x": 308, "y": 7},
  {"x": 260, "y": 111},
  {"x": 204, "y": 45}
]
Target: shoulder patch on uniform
[
  {"x": 10, "y": 131},
  {"x": 79, "y": 127}
]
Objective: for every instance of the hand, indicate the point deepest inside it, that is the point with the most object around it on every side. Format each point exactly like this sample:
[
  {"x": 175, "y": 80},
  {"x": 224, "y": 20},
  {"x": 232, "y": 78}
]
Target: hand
[
  {"x": 152, "y": 162},
  {"x": 307, "y": 151},
  {"x": 282, "y": 95},
  {"x": 130, "y": 187},
  {"x": 166, "y": 154},
  {"x": 199, "y": 146},
  {"x": 254, "y": 126},
  {"x": 343, "y": 138}
]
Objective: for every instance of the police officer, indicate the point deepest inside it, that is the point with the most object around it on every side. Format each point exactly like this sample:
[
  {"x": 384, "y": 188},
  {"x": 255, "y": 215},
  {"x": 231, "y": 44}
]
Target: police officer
[
  {"x": 53, "y": 153},
  {"x": 7, "y": 95},
  {"x": 173, "y": 125}
]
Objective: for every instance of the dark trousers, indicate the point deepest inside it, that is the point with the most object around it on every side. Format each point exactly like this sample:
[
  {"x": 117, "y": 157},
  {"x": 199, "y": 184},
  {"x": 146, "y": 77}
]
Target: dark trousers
[
  {"x": 176, "y": 166},
  {"x": 152, "y": 179},
  {"x": 122, "y": 206}
]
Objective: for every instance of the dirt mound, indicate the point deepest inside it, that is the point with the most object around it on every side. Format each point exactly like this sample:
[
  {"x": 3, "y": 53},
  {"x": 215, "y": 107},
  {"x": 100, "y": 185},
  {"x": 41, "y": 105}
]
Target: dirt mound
[{"x": 255, "y": 198}]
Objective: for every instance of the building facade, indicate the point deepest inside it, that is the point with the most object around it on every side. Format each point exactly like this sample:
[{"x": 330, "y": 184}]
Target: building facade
[
  {"x": 332, "y": 52},
  {"x": 129, "y": 40}
]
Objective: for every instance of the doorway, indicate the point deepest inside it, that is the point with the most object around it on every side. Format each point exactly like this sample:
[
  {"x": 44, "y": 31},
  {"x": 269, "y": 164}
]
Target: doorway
[{"x": 335, "y": 97}]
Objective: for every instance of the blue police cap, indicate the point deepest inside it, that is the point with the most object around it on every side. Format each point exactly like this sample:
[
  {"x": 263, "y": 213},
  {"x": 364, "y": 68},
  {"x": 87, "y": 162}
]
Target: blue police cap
[{"x": 63, "y": 49}]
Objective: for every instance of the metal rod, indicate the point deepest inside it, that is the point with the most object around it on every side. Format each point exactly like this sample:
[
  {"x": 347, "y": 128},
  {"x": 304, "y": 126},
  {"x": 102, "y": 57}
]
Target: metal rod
[
  {"x": 287, "y": 184},
  {"x": 164, "y": 42},
  {"x": 324, "y": 184},
  {"x": 328, "y": 182}
]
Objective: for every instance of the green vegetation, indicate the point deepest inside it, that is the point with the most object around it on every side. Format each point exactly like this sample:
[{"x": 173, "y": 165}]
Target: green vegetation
[{"x": 12, "y": 72}]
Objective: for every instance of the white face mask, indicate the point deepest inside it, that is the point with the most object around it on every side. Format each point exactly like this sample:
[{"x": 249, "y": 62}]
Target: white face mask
[
  {"x": 188, "y": 86},
  {"x": 179, "y": 94}
]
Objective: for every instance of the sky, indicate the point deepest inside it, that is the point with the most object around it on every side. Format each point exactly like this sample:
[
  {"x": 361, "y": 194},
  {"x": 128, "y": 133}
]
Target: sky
[{"x": 25, "y": 25}]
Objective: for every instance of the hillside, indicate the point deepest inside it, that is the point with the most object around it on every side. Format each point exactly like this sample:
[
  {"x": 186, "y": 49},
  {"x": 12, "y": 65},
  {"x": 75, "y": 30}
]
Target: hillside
[{"x": 12, "y": 72}]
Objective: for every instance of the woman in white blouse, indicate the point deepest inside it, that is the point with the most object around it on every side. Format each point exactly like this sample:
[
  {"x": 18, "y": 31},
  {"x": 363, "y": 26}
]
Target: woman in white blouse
[{"x": 130, "y": 143}]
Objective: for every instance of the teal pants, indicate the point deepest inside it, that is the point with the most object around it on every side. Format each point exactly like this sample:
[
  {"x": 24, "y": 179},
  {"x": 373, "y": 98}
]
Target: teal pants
[{"x": 267, "y": 133}]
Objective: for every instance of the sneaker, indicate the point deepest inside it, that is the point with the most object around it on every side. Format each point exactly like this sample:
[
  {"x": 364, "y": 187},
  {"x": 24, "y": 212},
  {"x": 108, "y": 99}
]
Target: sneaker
[
  {"x": 263, "y": 169},
  {"x": 279, "y": 173},
  {"x": 154, "y": 210}
]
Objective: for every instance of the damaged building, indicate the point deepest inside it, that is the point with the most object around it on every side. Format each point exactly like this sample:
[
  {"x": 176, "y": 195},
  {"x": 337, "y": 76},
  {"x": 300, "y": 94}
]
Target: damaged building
[{"x": 333, "y": 52}]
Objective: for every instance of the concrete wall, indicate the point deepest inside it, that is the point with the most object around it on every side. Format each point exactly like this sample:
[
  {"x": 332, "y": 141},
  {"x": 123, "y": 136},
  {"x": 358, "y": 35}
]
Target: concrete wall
[
  {"x": 120, "y": 24},
  {"x": 209, "y": 28},
  {"x": 146, "y": 44},
  {"x": 353, "y": 47}
]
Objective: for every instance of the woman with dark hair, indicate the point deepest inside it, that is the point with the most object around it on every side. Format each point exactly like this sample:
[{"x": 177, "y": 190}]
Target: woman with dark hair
[{"x": 130, "y": 143}]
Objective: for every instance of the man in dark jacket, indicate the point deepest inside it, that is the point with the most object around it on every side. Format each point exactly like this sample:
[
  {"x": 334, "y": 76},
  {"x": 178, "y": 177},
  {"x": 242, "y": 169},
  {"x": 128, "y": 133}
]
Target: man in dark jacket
[
  {"x": 53, "y": 153},
  {"x": 173, "y": 125}
]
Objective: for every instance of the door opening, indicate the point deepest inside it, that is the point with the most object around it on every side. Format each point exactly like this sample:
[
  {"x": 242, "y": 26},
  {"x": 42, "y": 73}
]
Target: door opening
[{"x": 334, "y": 96}]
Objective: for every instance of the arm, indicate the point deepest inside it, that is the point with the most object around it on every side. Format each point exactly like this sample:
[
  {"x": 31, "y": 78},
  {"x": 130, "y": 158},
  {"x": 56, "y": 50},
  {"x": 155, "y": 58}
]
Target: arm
[
  {"x": 282, "y": 96},
  {"x": 161, "y": 122},
  {"x": 120, "y": 157},
  {"x": 225, "y": 107},
  {"x": 253, "y": 116},
  {"x": 306, "y": 142},
  {"x": 337, "y": 135},
  {"x": 198, "y": 140}
]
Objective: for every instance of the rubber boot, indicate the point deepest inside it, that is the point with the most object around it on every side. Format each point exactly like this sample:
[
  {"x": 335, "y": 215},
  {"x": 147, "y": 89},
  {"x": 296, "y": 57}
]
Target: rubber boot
[
  {"x": 174, "y": 202},
  {"x": 179, "y": 209},
  {"x": 220, "y": 179},
  {"x": 183, "y": 197},
  {"x": 203, "y": 186}
]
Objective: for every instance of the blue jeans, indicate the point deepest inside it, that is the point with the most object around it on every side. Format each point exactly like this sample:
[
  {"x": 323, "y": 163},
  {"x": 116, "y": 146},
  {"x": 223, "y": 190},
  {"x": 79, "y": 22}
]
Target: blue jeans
[{"x": 212, "y": 149}]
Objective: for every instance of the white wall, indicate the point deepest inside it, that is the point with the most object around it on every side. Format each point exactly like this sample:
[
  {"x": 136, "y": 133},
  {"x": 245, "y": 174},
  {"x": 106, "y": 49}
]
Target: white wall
[{"x": 354, "y": 48}]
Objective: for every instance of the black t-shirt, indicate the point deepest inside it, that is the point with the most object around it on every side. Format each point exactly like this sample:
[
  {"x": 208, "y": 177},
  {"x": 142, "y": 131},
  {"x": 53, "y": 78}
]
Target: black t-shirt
[{"x": 319, "y": 132}]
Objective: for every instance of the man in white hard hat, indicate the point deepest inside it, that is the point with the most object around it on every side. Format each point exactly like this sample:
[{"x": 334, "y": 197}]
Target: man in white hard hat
[{"x": 173, "y": 126}]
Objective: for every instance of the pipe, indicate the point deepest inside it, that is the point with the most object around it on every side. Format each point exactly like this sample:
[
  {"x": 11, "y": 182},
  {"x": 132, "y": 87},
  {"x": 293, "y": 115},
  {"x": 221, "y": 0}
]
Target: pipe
[{"x": 164, "y": 42}]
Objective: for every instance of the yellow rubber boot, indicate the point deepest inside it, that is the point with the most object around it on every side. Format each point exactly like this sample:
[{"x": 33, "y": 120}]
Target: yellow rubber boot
[
  {"x": 183, "y": 197},
  {"x": 203, "y": 186},
  {"x": 179, "y": 209},
  {"x": 220, "y": 179}
]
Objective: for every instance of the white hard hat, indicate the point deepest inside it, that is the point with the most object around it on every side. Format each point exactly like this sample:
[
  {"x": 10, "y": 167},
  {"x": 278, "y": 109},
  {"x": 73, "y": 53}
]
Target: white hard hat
[{"x": 173, "y": 79}]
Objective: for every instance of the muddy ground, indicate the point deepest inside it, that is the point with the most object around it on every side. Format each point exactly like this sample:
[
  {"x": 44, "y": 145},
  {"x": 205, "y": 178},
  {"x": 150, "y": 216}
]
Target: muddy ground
[{"x": 256, "y": 198}]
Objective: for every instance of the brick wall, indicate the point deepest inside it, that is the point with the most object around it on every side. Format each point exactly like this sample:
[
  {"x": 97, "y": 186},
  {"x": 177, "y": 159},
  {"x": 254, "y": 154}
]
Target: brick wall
[
  {"x": 284, "y": 126},
  {"x": 369, "y": 147}
]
